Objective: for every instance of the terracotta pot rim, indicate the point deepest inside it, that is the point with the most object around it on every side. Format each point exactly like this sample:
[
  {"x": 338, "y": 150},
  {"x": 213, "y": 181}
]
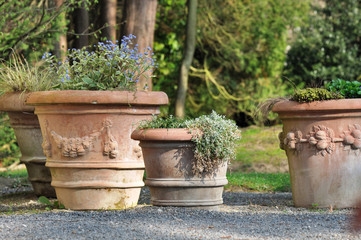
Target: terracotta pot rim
[
  {"x": 327, "y": 105},
  {"x": 97, "y": 97},
  {"x": 162, "y": 134},
  {"x": 15, "y": 102}
]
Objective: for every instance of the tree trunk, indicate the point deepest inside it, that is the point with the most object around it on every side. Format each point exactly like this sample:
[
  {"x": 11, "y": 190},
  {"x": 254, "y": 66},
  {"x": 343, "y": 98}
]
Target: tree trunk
[
  {"x": 109, "y": 18},
  {"x": 139, "y": 20},
  {"x": 81, "y": 22},
  {"x": 60, "y": 46},
  {"x": 187, "y": 58}
]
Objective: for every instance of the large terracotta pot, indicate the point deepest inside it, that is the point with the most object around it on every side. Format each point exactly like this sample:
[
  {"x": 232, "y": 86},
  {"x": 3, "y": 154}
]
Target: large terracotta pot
[
  {"x": 28, "y": 135},
  {"x": 93, "y": 161},
  {"x": 323, "y": 143},
  {"x": 168, "y": 157}
]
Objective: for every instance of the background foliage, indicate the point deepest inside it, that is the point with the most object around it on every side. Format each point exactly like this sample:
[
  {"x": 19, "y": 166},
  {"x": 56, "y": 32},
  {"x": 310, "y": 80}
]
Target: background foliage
[
  {"x": 328, "y": 46},
  {"x": 239, "y": 55},
  {"x": 9, "y": 150},
  {"x": 247, "y": 51}
]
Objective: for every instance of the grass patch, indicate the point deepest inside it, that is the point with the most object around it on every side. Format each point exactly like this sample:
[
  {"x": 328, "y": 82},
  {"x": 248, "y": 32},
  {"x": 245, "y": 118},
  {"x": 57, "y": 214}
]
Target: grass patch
[
  {"x": 259, "y": 182},
  {"x": 21, "y": 173},
  {"x": 260, "y": 145}
]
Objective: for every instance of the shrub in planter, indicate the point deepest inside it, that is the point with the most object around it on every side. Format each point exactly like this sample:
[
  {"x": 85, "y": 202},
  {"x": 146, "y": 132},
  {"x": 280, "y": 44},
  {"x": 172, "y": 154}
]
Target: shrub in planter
[
  {"x": 186, "y": 161},
  {"x": 322, "y": 140},
  {"x": 87, "y": 125},
  {"x": 17, "y": 79}
]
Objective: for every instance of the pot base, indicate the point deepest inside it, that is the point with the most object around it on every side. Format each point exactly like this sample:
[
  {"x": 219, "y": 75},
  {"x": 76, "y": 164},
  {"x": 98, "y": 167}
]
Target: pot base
[
  {"x": 40, "y": 179},
  {"x": 95, "y": 199},
  {"x": 186, "y": 196}
]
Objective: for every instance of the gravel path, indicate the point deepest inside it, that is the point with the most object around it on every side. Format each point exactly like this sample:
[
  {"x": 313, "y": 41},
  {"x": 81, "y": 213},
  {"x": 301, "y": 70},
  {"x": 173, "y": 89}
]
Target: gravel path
[{"x": 243, "y": 216}]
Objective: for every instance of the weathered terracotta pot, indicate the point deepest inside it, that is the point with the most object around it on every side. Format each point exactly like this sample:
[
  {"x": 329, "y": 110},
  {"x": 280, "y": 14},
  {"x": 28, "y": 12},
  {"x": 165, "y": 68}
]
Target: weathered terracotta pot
[
  {"x": 93, "y": 161},
  {"x": 168, "y": 157},
  {"x": 323, "y": 145},
  {"x": 28, "y": 135}
]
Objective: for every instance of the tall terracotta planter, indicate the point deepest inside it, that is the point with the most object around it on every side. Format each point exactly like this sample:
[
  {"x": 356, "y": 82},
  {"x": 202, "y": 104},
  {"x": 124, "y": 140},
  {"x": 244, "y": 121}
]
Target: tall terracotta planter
[
  {"x": 93, "y": 161},
  {"x": 28, "y": 135},
  {"x": 322, "y": 141},
  {"x": 168, "y": 157}
]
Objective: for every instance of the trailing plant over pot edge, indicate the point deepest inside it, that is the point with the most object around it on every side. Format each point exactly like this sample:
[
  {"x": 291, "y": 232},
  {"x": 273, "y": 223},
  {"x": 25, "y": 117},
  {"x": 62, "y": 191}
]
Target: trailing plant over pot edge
[
  {"x": 186, "y": 160},
  {"x": 214, "y": 136}
]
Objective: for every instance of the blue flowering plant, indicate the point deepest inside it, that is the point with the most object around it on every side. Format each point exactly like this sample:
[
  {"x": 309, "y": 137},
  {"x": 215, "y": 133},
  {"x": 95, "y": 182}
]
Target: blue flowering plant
[{"x": 108, "y": 67}]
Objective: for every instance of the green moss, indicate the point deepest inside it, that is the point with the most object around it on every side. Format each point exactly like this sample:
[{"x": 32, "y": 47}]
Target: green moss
[{"x": 314, "y": 94}]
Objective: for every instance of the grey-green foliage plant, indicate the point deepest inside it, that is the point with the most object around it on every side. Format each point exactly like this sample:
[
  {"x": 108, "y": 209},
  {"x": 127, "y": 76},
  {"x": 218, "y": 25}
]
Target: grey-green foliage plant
[
  {"x": 108, "y": 67},
  {"x": 214, "y": 136},
  {"x": 17, "y": 75},
  {"x": 215, "y": 139},
  {"x": 348, "y": 89},
  {"x": 328, "y": 46}
]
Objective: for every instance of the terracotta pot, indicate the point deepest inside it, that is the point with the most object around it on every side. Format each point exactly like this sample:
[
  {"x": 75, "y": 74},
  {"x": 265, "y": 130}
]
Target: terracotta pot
[
  {"x": 168, "y": 157},
  {"x": 93, "y": 161},
  {"x": 322, "y": 142},
  {"x": 28, "y": 135}
]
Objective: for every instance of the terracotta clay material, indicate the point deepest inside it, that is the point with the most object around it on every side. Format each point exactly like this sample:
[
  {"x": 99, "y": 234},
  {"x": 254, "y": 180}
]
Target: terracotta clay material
[
  {"x": 168, "y": 157},
  {"x": 322, "y": 141},
  {"x": 93, "y": 161},
  {"x": 28, "y": 135}
]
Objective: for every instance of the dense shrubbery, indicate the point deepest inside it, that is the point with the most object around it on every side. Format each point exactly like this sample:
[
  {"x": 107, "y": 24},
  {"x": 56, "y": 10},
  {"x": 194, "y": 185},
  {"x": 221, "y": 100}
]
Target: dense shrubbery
[
  {"x": 329, "y": 46},
  {"x": 9, "y": 150}
]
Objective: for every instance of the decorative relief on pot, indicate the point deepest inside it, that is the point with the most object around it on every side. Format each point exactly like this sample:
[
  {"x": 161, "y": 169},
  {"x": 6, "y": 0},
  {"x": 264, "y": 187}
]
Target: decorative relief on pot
[
  {"x": 46, "y": 145},
  {"x": 79, "y": 146},
  {"x": 74, "y": 147},
  {"x": 138, "y": 151},
  {"x": 352, "y": 137},
  {"x": 292, "y": 138},
  {"x": 110, "y": 145},
  {"x": 322, "y": 137}
]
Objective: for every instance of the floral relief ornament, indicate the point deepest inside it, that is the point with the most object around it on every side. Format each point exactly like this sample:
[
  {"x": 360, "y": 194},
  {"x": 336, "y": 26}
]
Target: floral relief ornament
[
  {"x": 322, "y": 137},
  {"x": 79, "y": 146},
  {"x": 352, "y": 137}
]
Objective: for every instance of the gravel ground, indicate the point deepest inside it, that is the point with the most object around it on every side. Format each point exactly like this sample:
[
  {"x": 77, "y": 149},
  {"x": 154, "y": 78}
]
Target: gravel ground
[{"x": 242, "y": 216}]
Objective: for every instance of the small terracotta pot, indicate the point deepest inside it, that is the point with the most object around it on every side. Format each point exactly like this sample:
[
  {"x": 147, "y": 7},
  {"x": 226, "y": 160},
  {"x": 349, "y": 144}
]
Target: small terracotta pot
[
  {"x": 28, "y": 135},
  {"x": 168, "y": 156},
  {"x": 93, "y": 161},
  {"x": 322, "y": 141}
]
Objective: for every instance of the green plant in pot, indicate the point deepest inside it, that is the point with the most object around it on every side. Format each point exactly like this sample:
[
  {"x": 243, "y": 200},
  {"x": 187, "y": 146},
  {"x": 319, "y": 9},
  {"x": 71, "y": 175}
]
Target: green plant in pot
[
  {"x": 17, "y": 79},
  {"x": 322, "y": 139},
  {"x": 186, "y": 160},
  {"x": 87, "y": 122}
]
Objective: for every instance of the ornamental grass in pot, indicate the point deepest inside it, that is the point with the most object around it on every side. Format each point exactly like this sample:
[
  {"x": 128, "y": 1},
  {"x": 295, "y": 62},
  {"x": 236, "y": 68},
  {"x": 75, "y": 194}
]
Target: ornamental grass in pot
[
  {"x": 186, "y": 160},
  {"x": 17, "y": 79},
  {"x": 87, "y": 125},
  {"x": 322, "y": 139}
]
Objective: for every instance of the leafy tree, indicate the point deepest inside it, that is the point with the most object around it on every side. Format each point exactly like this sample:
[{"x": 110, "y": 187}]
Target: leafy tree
[
  {"x": 239, "y": 55},
  {"x": 329, "y": 46},
  {"x": 28, "y": 26}
]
